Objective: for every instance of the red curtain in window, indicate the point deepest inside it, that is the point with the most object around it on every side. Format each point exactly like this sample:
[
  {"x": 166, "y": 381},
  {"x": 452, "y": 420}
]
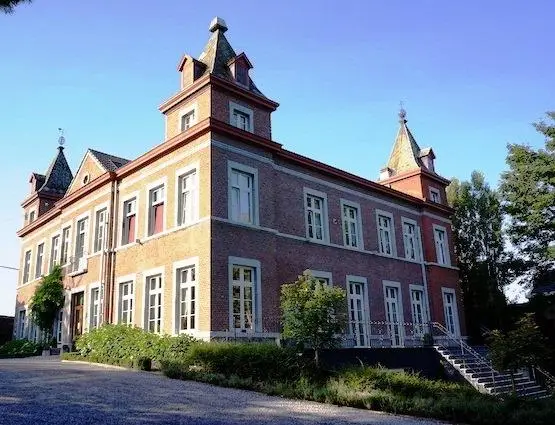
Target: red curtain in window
[
  {"x": 131, "y": 228},
  {"x": 158, "y": 218}
]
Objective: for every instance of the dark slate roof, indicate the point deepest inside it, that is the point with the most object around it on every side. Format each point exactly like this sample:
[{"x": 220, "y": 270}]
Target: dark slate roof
[
  {"x": 39, "y": 180},
  {"x": 58, "y": 177},
  {"x": 109, "y": 162},
  {"x": 218, "y": 53}
]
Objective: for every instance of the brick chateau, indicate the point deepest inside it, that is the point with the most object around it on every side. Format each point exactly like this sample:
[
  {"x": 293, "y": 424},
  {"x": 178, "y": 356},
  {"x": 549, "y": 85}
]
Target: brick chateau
[{"x": 198, "y": 234}]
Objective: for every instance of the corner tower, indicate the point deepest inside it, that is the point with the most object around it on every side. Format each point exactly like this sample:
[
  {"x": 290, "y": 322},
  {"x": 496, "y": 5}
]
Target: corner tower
[
  {"x": 411, "y": 169},
  {"x": 218, "y": 86}
]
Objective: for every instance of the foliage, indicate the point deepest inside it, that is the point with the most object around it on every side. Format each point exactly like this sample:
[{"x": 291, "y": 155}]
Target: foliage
[
  {"x": 522, "y": 346},
  {"x": 259, "y": 361},
  {"x": 477, "y": 230},
  {"x": 313, "y": 313},
  {"x": 144, "y": 363},
  {"x": 47, "y": 301},
  {"x": 121, "y": 344},
  {"x": 528, "y": 190},
  {"x": 20, "y": 348},
  {"x": 7, "y": 6}
]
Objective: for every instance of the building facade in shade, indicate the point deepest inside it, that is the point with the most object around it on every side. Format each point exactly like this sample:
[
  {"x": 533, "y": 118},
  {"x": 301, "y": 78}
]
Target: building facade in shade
[{"x": 198, "y": 234}]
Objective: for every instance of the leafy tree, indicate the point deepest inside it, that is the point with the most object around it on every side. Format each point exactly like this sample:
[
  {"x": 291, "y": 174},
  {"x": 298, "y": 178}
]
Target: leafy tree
[
  {"x": 313, "y": 313},
  {"x": 523, "y": 346},
  {"x": 528, "y": 191},
  {"x": 477, "y": 230},
  {"x": 7, "y": 6},
  {"x": 47, "y": 301}
]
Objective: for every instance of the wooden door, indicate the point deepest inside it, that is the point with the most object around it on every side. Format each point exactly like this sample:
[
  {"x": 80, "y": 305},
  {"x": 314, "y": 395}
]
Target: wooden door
[{"x": 77, "y": 314}]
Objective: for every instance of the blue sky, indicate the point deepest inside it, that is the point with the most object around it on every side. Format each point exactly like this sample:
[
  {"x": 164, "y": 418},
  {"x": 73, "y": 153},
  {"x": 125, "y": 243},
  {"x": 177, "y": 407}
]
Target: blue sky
[{"x": 473, "y": 76}]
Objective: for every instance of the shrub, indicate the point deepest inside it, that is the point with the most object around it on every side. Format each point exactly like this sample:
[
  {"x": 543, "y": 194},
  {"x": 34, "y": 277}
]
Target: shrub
[
  {"x": 20, "y": 348},
  {"x": 144, "y": 363}
]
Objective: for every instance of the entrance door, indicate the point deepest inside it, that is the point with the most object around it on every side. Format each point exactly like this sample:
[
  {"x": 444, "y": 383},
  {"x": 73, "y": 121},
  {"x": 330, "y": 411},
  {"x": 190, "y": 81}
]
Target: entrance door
[
  {"x": 77, "y": 314},
  {"x": 393, "y": 312},
  {"x": 450, "y": 311},
  {"x": 357, "y": 318}
]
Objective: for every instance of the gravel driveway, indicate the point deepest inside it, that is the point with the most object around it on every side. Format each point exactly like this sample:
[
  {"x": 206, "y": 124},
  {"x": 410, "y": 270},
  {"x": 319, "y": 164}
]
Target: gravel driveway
[{"x": 47, "y": 391}]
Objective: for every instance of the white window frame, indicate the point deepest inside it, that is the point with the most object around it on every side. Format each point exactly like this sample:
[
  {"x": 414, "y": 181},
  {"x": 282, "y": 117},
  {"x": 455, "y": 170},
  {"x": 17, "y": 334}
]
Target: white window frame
[
  {"x": 366, "y": 305},
  {"x": 86, "y": 242},
  {"x": 41, "y": 271},
  {"x": 130, "y": 278},
  {"x": 179, "y": 174},
  {"x": 325, "y": 221},
  {"x": 33, "y": 212},
  {"x": 425, "y": 318},
  {"x": 360, "y": 238},
  {"x": 241, "y": 109},
  {"x": 434, "y": 191},
  {"x": 97, "y": 210},
  {"x": 185, "y": 111},
  {"x": 146, "y": 292},
  {"x": 320, "y": 274},
  {"x": 122, "y": 215},
  {"x": 29, "y": 272},
  {"x": 91, "y": 304},
  {"x": 54, "y": 257},
  {"x": 242, "y": 168},
  {"x": 401, "y": 321},
  {"x": 393, "y": 241},
  {"x": 163, "y": 183},
  {"x": 447, "y": 262},
  {"x": 66, "y": 251},
  {"x": 417, "y": 253},
  {"x": 21, "y": 325},
  {"x": 257, "y": 290},
  {"x": 178, "y": 265},
  {"x": 444, "y": 291}
]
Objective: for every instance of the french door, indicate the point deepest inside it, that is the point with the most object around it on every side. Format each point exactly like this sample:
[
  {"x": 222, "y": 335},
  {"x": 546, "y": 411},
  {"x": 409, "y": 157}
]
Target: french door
[
  {"x": 451, "y": 315},
  {"x": 357, "y": 318},
  {"x": 394, "y": 316}
]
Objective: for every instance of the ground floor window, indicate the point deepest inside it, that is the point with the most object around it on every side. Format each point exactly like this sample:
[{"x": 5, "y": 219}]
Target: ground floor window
[
  {"x": 394, "y": 314},
  {"x": 126, "y": 303},
  {"x": 94, "y": 308},
  {"x": 154, "y": 303},
  {"x": 417, "y": 305},
  {"x": 244, "y": 281},
  {"x": 187, "y": 297},
  {"x": 450, "y": 311},
  {"x": 357, "y": 298},
  {"x": 21, "y": 322},
  {"x": 58, "y": 327}
]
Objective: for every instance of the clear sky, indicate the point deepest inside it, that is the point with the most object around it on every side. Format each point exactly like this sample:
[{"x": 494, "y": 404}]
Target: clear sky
[{"x": 473, "y": 76}]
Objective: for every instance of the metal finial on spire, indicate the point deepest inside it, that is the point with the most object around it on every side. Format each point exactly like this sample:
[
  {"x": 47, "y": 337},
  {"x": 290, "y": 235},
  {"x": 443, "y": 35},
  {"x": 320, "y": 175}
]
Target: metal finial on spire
[
  {"x": 61, "y": 139},
  {"x": 217, "y": 24},
  {"x": 402, "y": 113}
]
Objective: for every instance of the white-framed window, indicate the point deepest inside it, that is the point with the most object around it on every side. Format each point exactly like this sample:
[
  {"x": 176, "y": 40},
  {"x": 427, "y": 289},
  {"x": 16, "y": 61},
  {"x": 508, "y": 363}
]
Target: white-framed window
[
  {"x": 65, "y": 245},
  {"x": 187, "y": 197},
  {"x": 435, "y": 195},
  {"x": 94, "y": 318},
  {"x": 54, "y": 251},
  {"x": 386, "y": 233},
  {"x": 241, "y": 117},
  {"x": 100, "y": 229},
  {"x": 59, "y": 327},
  {"x": 243, "y": 193},
  {"x": 394, "y": 312},
  {"x": 352, "y": 224},
  {"x": 81, "y": 238},
  {"x": 153, "y": 313},
  {"x": 320, "y": 275},
  {"x": 244, "y": 293},
  {"x": 32, "y": 216},
  {"x": 316, "y": 215},
  {"x": 450, "y": 310},
  {"x": 418, "y": 309},
  {"x": 186, "y": 289},
  {"x": 410, "y": 239},
  {"x": 126, "y": 301},
  {"x": 129, "y": 221},
  {"x": 27, "y": 266},
  {"x": 39, "y": 260},
  {"x": 442, "y": 247},
  {"x": 156, "y": 201},
  {"x": 21, "y": 324},
  {"x": 188, "y": 120},
  {"x": 357, "y": 296}
]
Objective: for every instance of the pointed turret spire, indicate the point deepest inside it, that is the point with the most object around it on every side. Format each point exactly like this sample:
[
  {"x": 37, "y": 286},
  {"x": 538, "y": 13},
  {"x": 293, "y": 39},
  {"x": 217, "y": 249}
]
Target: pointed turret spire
[{"x": 59, "y": 176}]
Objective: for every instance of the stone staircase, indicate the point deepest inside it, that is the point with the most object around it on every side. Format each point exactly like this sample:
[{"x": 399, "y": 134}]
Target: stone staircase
[{"x": 473, "y": 365}]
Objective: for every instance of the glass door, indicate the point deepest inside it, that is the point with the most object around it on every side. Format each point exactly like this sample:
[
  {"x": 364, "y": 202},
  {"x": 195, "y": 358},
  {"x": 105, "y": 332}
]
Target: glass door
[
  {"x": 393, "y": 313},
  {"x": 357, "y": 318}
]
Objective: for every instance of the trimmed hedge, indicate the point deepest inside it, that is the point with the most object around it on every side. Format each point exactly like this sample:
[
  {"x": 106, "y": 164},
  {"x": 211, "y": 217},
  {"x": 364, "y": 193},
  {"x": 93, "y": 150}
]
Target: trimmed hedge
[{"x": 20, "y": 348}]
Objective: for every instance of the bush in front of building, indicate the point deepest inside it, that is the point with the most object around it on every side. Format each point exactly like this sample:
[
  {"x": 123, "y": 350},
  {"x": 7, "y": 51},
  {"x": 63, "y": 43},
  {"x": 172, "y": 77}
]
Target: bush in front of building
[
  {"x": 124, "y": 345},
  {"x": 20, "y": 348}
]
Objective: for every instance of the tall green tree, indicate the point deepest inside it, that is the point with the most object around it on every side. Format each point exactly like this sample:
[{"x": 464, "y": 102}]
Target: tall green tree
[
  {"x": 528, "y": 191},
  {"x": 477, "y": 229},
  {"x": 47, "y": 301},
  {"x": 7, "y": 6},
  {"x": 314, "y": 314}
]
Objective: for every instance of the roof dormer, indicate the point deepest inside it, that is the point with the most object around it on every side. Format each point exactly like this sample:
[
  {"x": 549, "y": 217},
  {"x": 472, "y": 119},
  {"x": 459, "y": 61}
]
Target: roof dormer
[{"x": 239, "y": 67}]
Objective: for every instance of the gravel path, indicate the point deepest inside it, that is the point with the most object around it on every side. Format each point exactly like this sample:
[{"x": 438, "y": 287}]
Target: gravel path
[{"x": 47, "y": 391}]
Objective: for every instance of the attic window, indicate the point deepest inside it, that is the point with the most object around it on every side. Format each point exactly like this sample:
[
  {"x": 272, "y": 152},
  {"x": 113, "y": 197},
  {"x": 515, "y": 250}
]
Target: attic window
[
  {"x": 86, "y": 179},
  {"x": 241, "y": 74}
]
